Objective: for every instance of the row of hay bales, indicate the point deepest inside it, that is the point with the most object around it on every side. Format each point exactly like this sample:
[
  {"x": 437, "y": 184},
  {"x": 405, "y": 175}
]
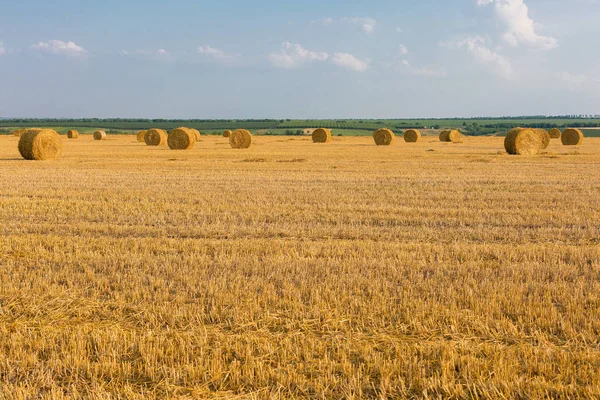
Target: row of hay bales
[
  {"x": 530, "y": 141},
  {"x": 45, "y": 144},
  {"x": 185, "y": 138},
  {"x": 385, "y": 137}
]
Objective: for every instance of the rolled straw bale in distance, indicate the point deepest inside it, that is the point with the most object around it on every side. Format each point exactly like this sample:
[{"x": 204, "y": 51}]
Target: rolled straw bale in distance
[
  {"x": 572, "y": 137},
  {"x": 196, "y": 133},
  {"x": 522, "y": 141},
  {"x": 384, "y": 137},
  {"x": 40, "y": 144},
  {"x": 227, "y": 133},
  {"x": 444, "y": 136},
  {"x": 554, "y": 133},
  {"x": 72, "y": 134},
  {"x": 544, "y": 137},
  {"x": 240, "y": 139},
  {"x": 454, "y": 136},
  {"x": 412, "y": 135},
  {"x": 156, "y": 137},
  {"x": 321, "y": 135},
  {"x": 19, "y": 132},
  {"x": 99, "y": 135},
  {"x": 181, "y": 139},
  {"x": 140, "y": 136}
]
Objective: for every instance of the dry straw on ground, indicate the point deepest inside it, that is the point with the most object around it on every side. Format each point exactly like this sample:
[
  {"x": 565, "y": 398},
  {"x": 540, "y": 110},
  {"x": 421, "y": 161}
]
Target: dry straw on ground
[
  {"x": 99, "y": 135},
  {"x": 156, "y": 137},
  {"x": 141, "y": 135},
  {"x": 412, "y": 135},
  {"x": 181, "y": 139},
  {"x": 72, "y": 134},
  {"x": 240, "y": 139},
  {"x": 196, "y": 133},
  {"x": 544, "y": 137},
  {"x": 227, "y": 133},
  {"x": 321, "y": 135},
  {"x": 40, "y": 144},
  {"x": 554, "y": 133},
  {"x": 384, "y": 137},
  {"x": 572, "y": 137},
  {"x": 523, "y": 141}
]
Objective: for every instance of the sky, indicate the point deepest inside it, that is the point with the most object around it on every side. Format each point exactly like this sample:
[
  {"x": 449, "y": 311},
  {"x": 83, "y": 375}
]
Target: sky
[{"x": 213, "y": 59}]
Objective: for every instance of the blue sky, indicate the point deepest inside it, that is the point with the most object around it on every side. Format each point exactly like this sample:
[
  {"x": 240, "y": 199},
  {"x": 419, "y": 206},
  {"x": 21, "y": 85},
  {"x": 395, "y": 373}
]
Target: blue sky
[{"x": 308, "y": 59}]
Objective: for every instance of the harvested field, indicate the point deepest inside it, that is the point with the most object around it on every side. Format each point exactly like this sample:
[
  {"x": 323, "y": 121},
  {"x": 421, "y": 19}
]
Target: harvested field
[{"x": 421, "y": 271}]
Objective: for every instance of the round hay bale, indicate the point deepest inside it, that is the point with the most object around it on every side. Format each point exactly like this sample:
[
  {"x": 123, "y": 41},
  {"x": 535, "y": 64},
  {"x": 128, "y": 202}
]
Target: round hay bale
[
  {"x": 99, "y": 135},
  {"x": 240, "y": 139},
  {"x": 554, "y": 133},
  {"x": 19, "y": 132},
  {"x": 40, "y": 144},
  {"x": 156, "y": 137},
  {"x": 384, "y": 137},
  {"x": 321, "y": 135},
  {"x": 444, "y": 136},
  {"x": 181, "y": 139},
  {"x": 544, "y": 137},
  {"x": 522, "y": 141},
  {"x": 196, "y": 133},
  {"x": 72, "y": 134},
  {"x": 572, "y": 137},
  {"x": 454, "y": 136},
  {"x": 141, "y": 135},
  {"x": 412, "y": 136},
  {"x": 227, "y": 133}
]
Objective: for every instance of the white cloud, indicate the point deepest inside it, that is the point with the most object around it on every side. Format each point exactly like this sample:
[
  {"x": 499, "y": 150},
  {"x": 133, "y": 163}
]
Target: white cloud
[
  {"x": 348, "y": 61},
  {"x": 399, "y": 30},
  {"x": 520, "y": 28},
  {"x": 403, "y": 50},
  {"x": 2, "y": 49},
  {"x": 58, "y": 47},
  {"x": 366, "y": 24},
  {"x": 294, "y": 55},
  {"x": 483, "y": 55},
  {"x": 217, "y": 54}
]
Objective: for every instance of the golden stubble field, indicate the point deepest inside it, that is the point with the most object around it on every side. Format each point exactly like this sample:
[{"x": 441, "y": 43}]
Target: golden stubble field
[{"x": 297, "y": 270}]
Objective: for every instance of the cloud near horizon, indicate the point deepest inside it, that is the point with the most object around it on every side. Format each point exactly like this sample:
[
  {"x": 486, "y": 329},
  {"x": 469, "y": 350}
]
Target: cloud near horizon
[
  {"x": 218, "y": 54},
  {"x": 61, "y": 48}
]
